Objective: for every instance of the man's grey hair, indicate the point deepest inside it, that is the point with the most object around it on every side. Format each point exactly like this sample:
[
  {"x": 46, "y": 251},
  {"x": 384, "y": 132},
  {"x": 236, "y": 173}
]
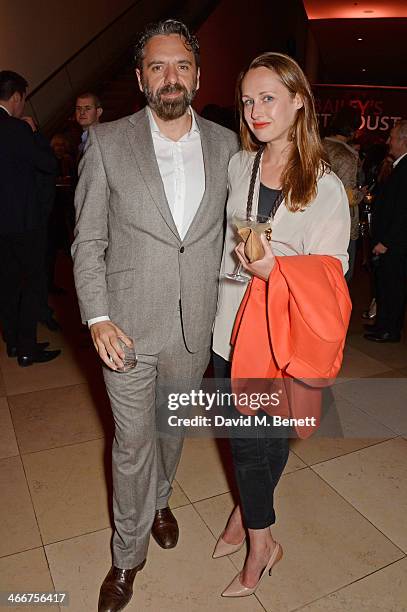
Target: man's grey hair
[
  {"x": 165, "y": 28},
  {"x": 401, "y": 127}
]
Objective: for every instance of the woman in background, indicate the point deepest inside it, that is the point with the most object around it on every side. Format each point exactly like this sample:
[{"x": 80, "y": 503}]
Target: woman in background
[{"x": 344, "y": 161}]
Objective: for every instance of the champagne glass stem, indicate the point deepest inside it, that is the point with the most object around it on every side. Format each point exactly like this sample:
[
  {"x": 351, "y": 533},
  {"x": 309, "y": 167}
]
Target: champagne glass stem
[
  {"x": 237, "y": 275},
  {"x": 238, "y": 270}
]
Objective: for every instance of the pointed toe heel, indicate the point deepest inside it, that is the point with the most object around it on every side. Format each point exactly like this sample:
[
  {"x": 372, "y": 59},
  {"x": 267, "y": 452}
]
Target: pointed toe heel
[
  {"x": 237, "y": 589},
  {"x": 222, "y": 548}
]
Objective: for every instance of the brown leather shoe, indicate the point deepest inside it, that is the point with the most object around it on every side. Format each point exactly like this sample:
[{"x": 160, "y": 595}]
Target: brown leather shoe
[
  {"x": 117, "y": 588},
  {"x": 165, "y": 528}
]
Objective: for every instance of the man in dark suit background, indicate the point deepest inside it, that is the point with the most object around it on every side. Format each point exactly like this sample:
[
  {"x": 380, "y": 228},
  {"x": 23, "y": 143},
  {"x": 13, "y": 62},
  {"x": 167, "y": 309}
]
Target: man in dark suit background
[
  {"x": 23, "y": 153},
  {"x": 389, "y": 234}
]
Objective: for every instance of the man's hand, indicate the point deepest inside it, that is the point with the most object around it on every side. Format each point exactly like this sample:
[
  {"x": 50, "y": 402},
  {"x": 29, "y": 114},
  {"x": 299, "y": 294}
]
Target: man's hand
[
  {"x": 106, "y": 336},
  {"x": 379, "y": 249},
  {"x": 261, "y": 268},
  {"x": 30, "y": 122}
]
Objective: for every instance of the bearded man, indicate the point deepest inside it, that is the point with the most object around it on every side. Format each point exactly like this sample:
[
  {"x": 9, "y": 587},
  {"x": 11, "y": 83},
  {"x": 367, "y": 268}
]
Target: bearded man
[{"x": 148, "y": 240}]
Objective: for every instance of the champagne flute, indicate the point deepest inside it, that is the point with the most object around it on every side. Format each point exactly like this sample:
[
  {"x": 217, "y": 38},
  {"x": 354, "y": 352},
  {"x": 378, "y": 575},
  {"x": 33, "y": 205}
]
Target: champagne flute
[{"x": 239, "y": 220}]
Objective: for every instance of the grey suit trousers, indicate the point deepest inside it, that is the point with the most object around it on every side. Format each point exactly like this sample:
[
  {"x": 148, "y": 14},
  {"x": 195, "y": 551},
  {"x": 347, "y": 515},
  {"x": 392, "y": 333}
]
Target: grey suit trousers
[{"x": 144, "y": 460}]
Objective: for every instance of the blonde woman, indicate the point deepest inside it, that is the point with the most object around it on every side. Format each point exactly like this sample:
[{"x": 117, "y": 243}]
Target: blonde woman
[{"x": 279, "y": 172}]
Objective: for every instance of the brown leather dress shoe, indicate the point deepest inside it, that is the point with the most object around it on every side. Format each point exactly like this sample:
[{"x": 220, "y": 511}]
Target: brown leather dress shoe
[
  {"x": 165, "y": 528},
  {"x": 117, "y": 588}
]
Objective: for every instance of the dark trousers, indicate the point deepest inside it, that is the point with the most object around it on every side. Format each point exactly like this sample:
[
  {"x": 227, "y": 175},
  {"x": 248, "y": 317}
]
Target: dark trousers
[
  {"x": 259, "y": 461},
  {"x": 352, "y": 248},
  {"x": 21, "y": 277},
  {"x": 391, "y": 291},
  {"x": 44, "y": 310}
]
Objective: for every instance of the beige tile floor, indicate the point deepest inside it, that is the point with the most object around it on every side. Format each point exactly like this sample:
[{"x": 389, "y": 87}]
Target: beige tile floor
[{"x": 341, "y": 503}]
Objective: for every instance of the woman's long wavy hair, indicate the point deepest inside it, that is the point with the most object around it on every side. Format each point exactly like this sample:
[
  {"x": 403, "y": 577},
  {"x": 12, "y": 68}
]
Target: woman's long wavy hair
[{"x": 305, "y": 164}]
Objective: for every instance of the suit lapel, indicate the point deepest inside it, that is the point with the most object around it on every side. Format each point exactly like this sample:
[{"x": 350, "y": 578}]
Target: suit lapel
[
  {"x": 141, "y": 142},
  {"x": 401, "y": 166},
  {"x": 210, "y": 165}
]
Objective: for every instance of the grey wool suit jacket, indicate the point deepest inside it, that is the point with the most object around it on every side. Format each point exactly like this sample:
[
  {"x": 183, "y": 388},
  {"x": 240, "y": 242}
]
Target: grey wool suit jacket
[{"x": 129, "y": 261}]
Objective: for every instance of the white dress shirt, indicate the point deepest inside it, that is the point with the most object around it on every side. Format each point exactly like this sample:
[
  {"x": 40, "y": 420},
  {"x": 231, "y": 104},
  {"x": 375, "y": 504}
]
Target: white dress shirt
[
  {"x": 6, "y": 109},
  {"x": 182, "y": 170},
  {"x": 398, "y": 160}
]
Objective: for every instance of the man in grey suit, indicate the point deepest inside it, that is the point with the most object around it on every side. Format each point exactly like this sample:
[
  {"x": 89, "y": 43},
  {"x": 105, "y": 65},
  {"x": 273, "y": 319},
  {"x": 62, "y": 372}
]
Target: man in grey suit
[{"x": 148, "y": 241}]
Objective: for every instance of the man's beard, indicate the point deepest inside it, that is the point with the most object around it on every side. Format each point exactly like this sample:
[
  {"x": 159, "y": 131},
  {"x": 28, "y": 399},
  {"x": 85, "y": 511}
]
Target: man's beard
[{"x": 169, "y": 109}]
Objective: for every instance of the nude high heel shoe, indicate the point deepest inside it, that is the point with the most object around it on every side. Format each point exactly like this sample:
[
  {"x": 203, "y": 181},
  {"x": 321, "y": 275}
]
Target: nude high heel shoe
[
  {"x": 222, "y": 548},
  {"x": 237, "y": 589}
]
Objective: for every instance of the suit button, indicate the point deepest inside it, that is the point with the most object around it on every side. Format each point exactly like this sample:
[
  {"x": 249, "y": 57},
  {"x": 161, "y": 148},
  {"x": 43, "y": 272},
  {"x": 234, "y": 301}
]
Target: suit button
[{"x": 181, "y": 250}]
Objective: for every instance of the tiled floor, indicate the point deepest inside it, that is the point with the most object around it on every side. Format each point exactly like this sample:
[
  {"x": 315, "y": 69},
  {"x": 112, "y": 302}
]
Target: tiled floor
[{"x": 341, "y": 504}]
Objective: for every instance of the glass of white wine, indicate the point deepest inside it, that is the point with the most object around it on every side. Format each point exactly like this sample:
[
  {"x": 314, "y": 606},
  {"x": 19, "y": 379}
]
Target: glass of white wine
[{"x": 260, "y": 224}]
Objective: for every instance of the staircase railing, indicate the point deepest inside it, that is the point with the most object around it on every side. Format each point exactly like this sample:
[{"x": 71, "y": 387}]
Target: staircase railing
[{"x": 53, "y": 99}]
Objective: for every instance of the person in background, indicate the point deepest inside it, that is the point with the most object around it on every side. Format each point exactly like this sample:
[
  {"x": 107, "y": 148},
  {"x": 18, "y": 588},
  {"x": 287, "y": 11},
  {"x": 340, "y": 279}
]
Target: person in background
[
  {"x": 378, "y": 165},
  {"x": 24, "y": 152},
  {"x": 344, "y": 161},
  {"x": 389, "y": 239},
  {"x": 66, "y": 168},
  {"x": 63, "y": 219},
  {"x": 46, "y": 198},
  {"x": 88, "y": 111}
]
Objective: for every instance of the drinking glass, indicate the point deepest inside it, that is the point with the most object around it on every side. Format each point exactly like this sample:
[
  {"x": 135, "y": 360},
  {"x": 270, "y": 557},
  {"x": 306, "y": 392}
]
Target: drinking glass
[
  {"x": 260, "y": 224},
  {"x": 129, "y": 359}
]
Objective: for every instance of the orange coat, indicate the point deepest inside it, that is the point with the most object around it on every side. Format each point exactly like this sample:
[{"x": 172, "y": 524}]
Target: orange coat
[{"x": 292, "y": 327}]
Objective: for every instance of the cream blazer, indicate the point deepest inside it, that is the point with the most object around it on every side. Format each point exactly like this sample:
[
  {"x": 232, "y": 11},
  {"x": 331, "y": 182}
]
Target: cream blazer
[{"x": 323, "y": 228}]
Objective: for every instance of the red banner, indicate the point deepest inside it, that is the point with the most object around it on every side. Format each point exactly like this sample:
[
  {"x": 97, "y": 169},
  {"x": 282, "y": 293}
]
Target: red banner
[{"x": 381, "y": 107}]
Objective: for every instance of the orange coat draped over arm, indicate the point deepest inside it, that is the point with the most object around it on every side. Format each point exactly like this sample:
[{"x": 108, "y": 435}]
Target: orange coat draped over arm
[{"x": 294, "y": 327}]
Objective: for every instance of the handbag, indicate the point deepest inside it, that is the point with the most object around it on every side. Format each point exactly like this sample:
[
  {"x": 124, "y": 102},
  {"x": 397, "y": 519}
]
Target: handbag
[{"x": 253, "y": 248}]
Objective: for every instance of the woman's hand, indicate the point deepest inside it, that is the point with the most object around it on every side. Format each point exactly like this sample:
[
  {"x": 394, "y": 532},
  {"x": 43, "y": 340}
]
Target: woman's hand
[{"x": 261, "y": 268}]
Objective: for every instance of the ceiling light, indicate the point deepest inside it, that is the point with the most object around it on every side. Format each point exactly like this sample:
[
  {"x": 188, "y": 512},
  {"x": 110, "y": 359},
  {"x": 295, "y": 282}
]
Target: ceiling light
[
  {"x": 360, "y": 38},
  {"x": 363, "y": 69}
]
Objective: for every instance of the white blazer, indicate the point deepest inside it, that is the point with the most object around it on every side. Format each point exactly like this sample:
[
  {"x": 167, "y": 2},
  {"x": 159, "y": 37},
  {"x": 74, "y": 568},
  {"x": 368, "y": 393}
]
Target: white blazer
[{"x": 323, "y": 228}]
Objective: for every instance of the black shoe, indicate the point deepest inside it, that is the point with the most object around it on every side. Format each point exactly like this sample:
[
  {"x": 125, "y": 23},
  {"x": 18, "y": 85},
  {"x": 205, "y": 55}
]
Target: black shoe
[
  {"x": 39, "y": 357},
  {"x": 12, "y": 350},
  {"x": 51, "y": 323},
  {"x": 382, "y": 337}
]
